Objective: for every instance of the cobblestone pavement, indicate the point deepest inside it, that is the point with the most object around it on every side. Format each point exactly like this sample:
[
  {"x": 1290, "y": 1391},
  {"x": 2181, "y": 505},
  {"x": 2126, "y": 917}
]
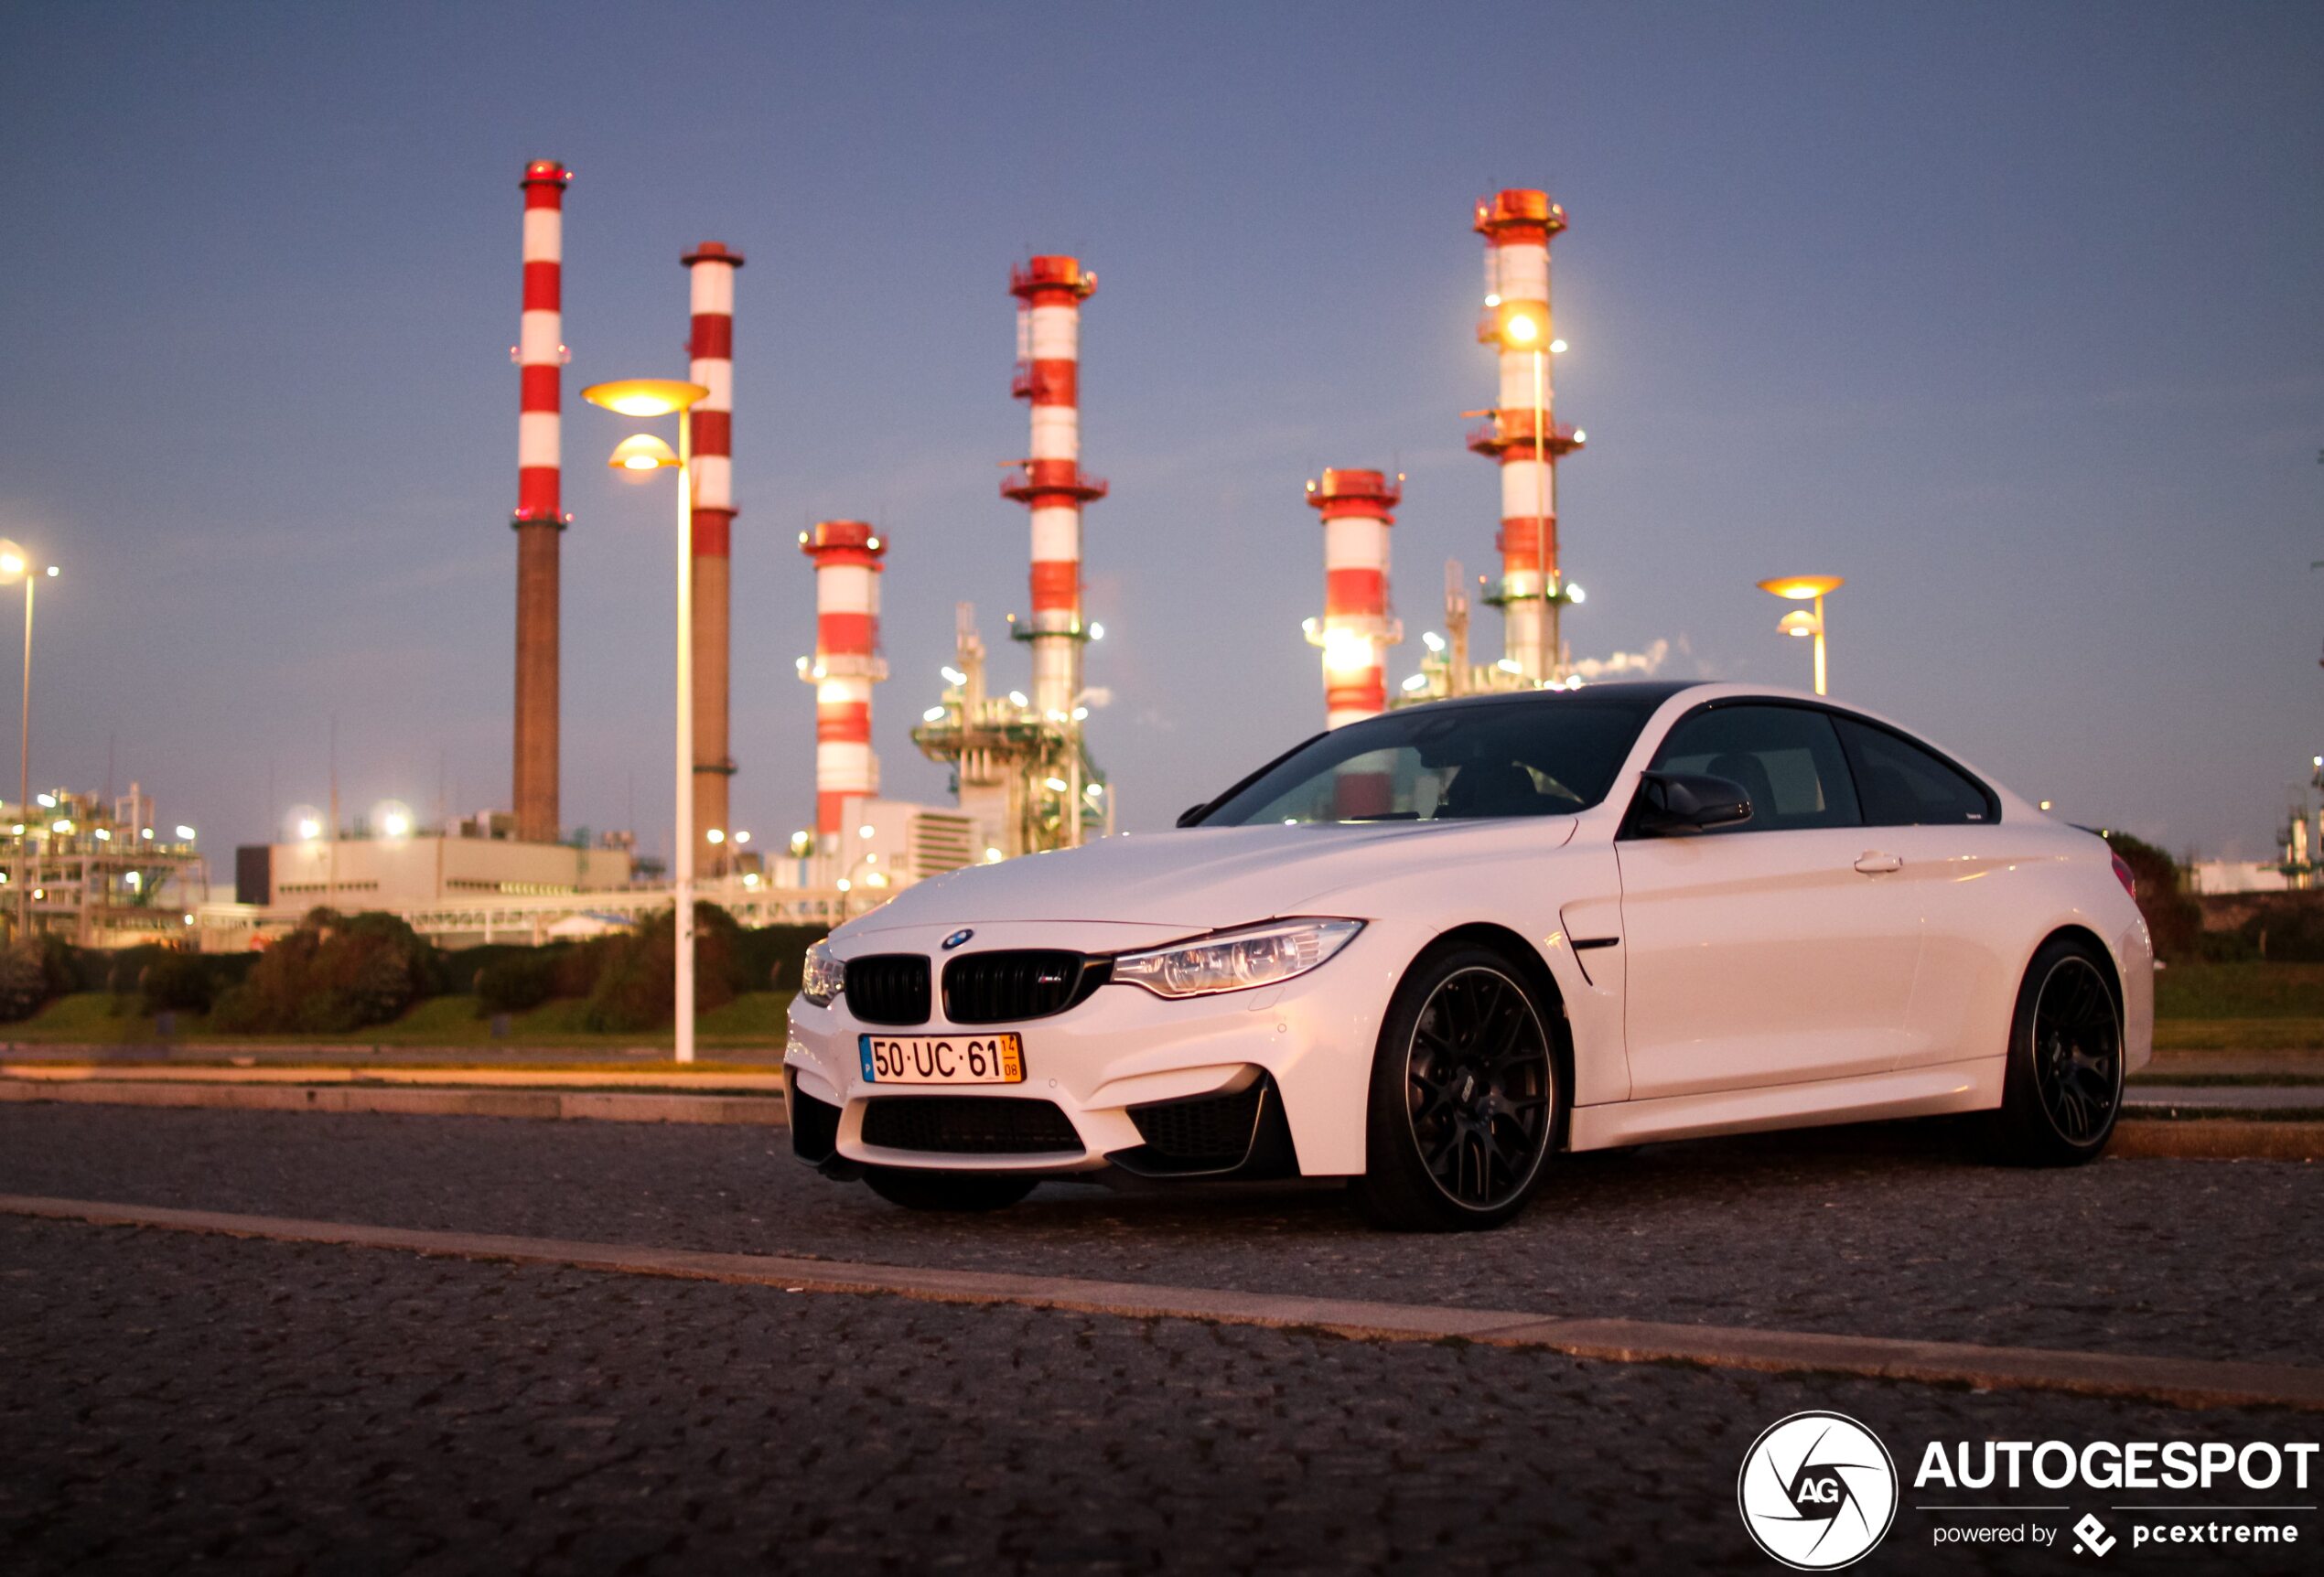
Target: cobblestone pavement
[
  {"x": 1877, "y": 1231},
  {"x": 178, "y": 1402}
]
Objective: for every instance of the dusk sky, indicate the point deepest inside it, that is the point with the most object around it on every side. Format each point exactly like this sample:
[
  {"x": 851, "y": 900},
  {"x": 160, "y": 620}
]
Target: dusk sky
[{"x": 2013, "y": 315}]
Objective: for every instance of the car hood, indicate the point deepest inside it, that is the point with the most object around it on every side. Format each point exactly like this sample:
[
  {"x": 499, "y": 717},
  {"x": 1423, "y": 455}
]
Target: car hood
[{"x": 1200, "y": 878}]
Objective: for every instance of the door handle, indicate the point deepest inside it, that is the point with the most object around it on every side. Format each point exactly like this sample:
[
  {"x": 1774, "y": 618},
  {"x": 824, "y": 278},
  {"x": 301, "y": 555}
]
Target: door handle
[{"x": 1872, "y": 863}]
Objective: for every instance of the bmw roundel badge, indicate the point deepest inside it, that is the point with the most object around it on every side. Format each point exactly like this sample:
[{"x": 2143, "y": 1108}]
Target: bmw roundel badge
[{"x": 956, "y": 938}]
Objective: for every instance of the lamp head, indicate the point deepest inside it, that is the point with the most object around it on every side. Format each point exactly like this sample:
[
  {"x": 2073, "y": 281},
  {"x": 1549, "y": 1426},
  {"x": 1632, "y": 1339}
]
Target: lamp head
[
  {"x": 642, "y": 452},
  {"x": 1799, "y": 621},
  {"x": 644, "y": 396},
  {"x": 1801, "y": 588}
]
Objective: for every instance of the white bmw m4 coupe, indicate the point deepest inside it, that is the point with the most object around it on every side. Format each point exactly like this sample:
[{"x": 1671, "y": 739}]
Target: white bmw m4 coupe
[{"x": 1430, "y": 951}]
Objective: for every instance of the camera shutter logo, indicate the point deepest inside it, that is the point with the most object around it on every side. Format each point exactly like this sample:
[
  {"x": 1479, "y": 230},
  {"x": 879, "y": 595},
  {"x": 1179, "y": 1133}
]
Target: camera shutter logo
[{"x": 1818, "y": 1491}]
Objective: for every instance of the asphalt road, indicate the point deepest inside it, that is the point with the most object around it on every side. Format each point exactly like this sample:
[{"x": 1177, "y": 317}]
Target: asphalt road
[
  {"x": 1889, "y": 1230},
  {"x": 174, "y": 1401}
]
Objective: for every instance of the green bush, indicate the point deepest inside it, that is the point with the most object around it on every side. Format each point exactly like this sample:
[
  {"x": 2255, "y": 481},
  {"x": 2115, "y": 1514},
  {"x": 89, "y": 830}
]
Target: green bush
[
  {"x": 2287, "y": 930},
  {"x": 637, "y": 976},
  {"x": 769, "y": 957},
  {"x": 2174, "y": 920},
  {"x": 334, "y": 973},
  {"x": 518, "y": 983},
  {"x": 24, "y": 982},
  {"x": 176, "y": 982}
]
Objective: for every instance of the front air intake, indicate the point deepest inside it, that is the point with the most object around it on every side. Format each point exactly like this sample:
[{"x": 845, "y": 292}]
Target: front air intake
[{"x": 1005, "y": 986}]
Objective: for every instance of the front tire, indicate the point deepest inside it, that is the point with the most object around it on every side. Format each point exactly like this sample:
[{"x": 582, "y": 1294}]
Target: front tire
[
  {"x": 2063, "y": 1088},
  {"x": 957, "y": 1192},
  {"x": 1465, "y": 1097}
]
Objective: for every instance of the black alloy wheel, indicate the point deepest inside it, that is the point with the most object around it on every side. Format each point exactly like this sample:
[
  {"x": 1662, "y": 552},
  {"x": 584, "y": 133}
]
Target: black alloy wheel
[
  {"x": 2077, "y": 1051},
  {"x": 2062, "y": 1088},
  {"x": 1465, "y": 1097}
]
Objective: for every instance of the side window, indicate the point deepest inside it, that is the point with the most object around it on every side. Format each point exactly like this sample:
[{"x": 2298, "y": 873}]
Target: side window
[
  {"x": 1787, "y": 758},
  {"x": 1905, "y": 786}
]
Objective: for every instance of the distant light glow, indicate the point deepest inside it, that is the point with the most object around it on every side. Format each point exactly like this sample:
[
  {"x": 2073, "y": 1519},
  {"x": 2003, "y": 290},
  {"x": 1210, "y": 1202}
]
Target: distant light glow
[
  {"x": 1433, "y": 641},
  {"x": 104, "y": 836},
  {"x": 1056, "y": 784},
  {"x": 48, "y": 802},
  {"x": 1097, "y": 632},
  {"x": 953, "y": 675},
  {"x": 716, "y": 835},
  {"x": 185, "y": 833},
  {"x": 1507, "y": 665},
  {"x": 991, "y": 856},
  {"x": 863, "y": 832},
  {"x": 1557, "y": 347},
  {"x": 1576, "y": 593},
  {"x": 309, "y": 827},
  {"x": 1017, "y": 698},
  {"x": 1417, "y": 681},
  {"x": 741, "y": 837}
]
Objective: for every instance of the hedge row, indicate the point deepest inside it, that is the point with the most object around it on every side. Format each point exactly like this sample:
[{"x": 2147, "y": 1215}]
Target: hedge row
[{"x": 338, "y": 972}]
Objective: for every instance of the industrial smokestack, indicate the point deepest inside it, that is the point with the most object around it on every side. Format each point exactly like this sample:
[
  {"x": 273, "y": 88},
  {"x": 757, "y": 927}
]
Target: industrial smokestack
[
  {"x": 710, "y": 268},
  {"x": 1049, "y": 292},
  {"x": 1356, "y": 630},
  {"x": 1524, "y": 437},
  {"x": 846, "y": 664},
  {"x": 539, "y": 519}
]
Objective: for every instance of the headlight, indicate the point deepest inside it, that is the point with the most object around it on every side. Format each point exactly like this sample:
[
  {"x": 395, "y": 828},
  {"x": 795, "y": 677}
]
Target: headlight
[
  {"x": 1238, "y": 959},
  {"x": 822, "y": 976}
]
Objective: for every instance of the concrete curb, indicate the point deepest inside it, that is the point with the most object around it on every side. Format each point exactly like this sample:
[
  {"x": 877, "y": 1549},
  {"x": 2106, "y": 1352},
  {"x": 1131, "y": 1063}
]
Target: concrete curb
[
  {"x": 2180, "y": 1383},
  {"x": 603, "y": 1105},
  {"x": 2237, "y": 1138}
]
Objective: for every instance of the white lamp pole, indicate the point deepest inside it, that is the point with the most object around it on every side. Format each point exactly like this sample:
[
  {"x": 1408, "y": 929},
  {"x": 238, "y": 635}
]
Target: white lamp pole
[{"x": 662, "y": 397}]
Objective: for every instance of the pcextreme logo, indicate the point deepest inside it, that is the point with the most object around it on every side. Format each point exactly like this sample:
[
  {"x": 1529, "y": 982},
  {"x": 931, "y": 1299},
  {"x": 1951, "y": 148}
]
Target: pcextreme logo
[{"x": 1818, "y": 1491}]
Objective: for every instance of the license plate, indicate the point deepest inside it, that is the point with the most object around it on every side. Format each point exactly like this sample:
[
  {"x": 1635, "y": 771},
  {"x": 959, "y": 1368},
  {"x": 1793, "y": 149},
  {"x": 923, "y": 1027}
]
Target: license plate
[{"x": 941, "y": 1059}]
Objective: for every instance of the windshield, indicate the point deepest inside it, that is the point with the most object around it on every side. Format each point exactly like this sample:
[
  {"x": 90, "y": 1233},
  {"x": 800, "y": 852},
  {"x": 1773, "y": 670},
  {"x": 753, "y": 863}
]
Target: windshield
[{"x": 1549, "y": 756}]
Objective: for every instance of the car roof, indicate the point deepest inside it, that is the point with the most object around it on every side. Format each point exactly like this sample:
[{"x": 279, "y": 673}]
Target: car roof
[{"x": 1639, "y": 693}]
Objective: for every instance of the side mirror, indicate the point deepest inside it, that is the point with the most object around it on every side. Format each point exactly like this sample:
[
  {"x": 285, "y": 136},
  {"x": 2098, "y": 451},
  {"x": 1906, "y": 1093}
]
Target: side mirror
[
  {"x": 1679, "y": 803},
  {"x": 1192, "y": 814}
]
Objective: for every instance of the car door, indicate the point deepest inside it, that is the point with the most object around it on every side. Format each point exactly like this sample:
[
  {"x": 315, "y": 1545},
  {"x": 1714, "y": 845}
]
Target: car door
[
  {"x": 1773, "y": 951},
  {"x": 1957, "y": 867}
]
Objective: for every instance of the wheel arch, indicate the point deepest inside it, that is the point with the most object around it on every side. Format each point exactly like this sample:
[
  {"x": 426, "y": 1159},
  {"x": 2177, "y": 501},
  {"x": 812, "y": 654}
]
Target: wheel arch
[
  {"x": 1536, "y": 969},
  {"x": 2077, "y": 931}
]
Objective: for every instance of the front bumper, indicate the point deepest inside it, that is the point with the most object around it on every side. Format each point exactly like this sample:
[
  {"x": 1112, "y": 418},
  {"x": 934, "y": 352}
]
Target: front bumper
[{"x": 1307, "y": 1044}]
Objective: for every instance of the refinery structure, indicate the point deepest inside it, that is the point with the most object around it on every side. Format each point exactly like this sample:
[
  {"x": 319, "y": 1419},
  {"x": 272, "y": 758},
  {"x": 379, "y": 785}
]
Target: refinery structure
[{"x": 1023, "y": 778}]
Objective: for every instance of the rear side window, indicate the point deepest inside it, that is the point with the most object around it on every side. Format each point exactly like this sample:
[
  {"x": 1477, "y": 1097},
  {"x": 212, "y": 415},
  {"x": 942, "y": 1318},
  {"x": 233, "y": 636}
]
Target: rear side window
[
  {"x": 1904, "y": 785},
  {"x": 1787, "y": 758}
]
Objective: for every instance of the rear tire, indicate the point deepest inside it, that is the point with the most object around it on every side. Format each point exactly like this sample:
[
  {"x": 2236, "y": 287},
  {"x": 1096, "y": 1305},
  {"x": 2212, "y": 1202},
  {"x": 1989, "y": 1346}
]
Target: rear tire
[
  {"x": 958, "y": 1192},
  {"x": 1465, "y": 1100},
  {"x": 2063, "y": 1088}
]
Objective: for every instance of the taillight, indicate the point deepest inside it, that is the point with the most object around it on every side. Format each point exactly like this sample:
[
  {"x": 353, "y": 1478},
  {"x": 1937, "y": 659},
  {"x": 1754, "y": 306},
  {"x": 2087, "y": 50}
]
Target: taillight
[{"x": 2123, "y": 875}]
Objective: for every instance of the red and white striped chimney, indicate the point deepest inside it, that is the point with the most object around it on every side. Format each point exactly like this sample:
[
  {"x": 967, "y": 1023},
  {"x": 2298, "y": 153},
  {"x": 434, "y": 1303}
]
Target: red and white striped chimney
[
  {"x": 538, "y": 519},
  {"x": 1049, "y": 292},
  {"x": 847, "y": 665},
  {"x": 710, "y": 269},
  {"x": 1357, "y": 629},
  {"x": 1524, "y": 437}
]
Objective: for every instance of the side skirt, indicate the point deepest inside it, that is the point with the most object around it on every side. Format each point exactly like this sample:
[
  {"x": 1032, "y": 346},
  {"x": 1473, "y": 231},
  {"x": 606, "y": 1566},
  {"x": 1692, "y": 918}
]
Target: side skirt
[{"x": 1949, "y": 1087}]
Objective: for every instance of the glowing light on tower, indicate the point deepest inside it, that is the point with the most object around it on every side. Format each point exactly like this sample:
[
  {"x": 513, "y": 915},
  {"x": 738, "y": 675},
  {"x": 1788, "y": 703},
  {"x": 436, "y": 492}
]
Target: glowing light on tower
[
  {"x": 1356, "y": 630},
  {"x": 845, "y": 666},
  {"x": 1523, "y": 437},
  {"x": 1050, "y": 290}
]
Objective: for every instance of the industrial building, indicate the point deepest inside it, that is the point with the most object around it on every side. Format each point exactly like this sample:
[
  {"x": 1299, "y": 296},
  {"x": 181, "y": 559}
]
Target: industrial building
[{"x": 99, "y": 874}]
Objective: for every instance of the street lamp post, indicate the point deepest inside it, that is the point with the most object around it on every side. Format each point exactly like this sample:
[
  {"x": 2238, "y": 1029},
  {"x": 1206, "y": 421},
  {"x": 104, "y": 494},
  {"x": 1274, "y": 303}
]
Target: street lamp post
[
  {"x": 1800, "y": 621},
  {"x": 15, "y": 566},
  {"x": 663, "y": 397}
]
